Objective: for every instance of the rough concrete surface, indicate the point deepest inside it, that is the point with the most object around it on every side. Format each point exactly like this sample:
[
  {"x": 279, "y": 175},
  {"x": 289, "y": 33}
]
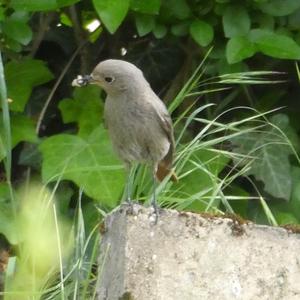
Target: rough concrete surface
[{"x": 188, "y": 256}]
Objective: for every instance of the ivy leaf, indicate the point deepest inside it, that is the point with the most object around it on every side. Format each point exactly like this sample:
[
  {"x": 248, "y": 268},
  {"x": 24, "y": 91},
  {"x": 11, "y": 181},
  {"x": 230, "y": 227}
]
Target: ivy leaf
[
  {"x": 271, "y": 151},
  {"x": 21, "y": 77},
  {"x": 236, "y": 21},
  {"x": 16, "y": 28},
  {"x": 145, "y": 7},
  {"x": 238, "y": 48},
  {"x": 279, "y": 8},
  {"x": 86, "y": 109},
  {"x": 111, "y": 13},
  {"x": 202, "y": 32},
  {"x": 144, "y": 24},
  {"x": 88, "y": 162},
  {"x": 275, "y": 45},
  {"x": 22, "y": 129}
]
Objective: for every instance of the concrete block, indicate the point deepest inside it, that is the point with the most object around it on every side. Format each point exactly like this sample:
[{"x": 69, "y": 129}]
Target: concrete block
[{"x": 190, "y": 256}]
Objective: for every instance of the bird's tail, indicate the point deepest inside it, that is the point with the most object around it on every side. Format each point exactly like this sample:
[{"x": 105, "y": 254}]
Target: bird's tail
[{"x": 163, "y": 170}]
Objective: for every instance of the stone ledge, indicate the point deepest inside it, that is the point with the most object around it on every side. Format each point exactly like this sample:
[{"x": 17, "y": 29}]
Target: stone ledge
[{"x": 189, "y": 256}]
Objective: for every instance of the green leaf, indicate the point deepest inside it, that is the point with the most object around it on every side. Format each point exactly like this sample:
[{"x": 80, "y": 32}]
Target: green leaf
[
  {"x": 203, "y": 167},
  {"x": 145, "y": 7},
  {"x": 90, "y": 163},
  {"x": 271, "y": 157},
  {"x": 33, "y": 5},
  {"x": 275, "y": 45},
  {"x": 295, "y": 196},
  {"x": 111, "y": 13},
  {"x": 15, "y": 27},
  {"x": 294, "y": 20},
  {"x": 7, "y": 225},
  {"x": 63, "y": 3},
  {"x": 180, "y": 29},
  {"x": 238, "y": 48},
  {"x": 236, "y": 21},
  {"x": 144, "y": 24},
  {"x": 22, "y": 129},
  {"x": 202, "y": 32},
  {"x": 30, "y": 156},
  {"x": 40, "y": 5},
  {"x": 2, "y": 13},
  {"x": 86, "y": 109},
  {"x": 282, "y": 121},
  {"x": 266, "y": 22},
  {"x": 178, "y": 9},
  {"x": 159, "y": 31},
  {"x": 21, "y": 77},
  {"x": 279, "y": 7}
]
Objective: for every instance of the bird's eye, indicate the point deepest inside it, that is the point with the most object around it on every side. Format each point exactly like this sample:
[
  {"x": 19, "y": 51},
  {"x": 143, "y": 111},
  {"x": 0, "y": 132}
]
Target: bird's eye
[{"x": 109, "y": 79}]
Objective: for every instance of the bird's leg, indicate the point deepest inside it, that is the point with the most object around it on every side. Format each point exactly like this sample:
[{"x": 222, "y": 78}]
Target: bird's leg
[
  {"x": 153, "y": 199},
  {"x": 129, "y": 182}
]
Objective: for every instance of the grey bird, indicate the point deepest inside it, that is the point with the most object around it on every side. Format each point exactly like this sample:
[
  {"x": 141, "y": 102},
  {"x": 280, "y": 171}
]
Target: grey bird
[{"x": 138, "y": 122}]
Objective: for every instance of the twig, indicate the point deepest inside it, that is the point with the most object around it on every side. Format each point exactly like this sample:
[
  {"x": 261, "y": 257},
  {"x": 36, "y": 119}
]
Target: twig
[
  {"x": 80, "y": 37},
  {"x": 58, "y": 81}
]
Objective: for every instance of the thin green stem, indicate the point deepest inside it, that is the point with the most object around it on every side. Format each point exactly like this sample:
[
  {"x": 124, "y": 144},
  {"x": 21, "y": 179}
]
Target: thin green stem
[{"x": 7, "y": 144}]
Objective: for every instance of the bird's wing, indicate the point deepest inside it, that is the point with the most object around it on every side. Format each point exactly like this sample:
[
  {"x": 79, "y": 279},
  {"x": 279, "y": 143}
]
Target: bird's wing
[{"x": 165, "y": 122}]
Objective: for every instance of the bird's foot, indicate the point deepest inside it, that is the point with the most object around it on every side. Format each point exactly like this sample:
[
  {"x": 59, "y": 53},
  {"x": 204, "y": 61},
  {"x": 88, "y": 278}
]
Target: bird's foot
[
  {"x": 155, "y": 213},
  {"x": 130, "y": 207}
]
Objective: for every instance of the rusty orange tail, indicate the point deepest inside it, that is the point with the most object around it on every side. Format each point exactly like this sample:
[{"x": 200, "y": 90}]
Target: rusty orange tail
[{"x": 163, "y": 170}]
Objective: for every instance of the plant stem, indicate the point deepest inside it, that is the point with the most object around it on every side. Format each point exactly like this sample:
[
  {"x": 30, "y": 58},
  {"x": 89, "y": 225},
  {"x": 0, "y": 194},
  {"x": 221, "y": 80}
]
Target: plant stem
[{"x": 7, "y": 133}]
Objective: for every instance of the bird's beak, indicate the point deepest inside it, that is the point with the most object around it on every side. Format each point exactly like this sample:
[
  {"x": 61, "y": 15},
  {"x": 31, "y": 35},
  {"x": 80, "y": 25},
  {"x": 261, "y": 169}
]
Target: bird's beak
[{"x": 83, "y": 80}]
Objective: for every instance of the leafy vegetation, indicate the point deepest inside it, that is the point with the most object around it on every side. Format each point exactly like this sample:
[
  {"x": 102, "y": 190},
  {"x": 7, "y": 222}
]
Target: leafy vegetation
[{"x": 227, "y": 73}]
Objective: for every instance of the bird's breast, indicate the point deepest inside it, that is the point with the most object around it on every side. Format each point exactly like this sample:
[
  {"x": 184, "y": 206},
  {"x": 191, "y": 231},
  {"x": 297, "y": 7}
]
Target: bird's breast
[{"x": 134, "y": 131}]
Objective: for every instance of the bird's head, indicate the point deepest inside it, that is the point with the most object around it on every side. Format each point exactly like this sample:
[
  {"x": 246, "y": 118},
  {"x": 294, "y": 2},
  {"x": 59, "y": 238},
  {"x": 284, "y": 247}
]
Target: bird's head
[{"x": 116, "y": 76}]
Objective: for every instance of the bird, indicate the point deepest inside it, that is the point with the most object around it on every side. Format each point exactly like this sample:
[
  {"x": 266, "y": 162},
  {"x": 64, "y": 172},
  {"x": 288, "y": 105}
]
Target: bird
[{"x": 138, "y": 122}]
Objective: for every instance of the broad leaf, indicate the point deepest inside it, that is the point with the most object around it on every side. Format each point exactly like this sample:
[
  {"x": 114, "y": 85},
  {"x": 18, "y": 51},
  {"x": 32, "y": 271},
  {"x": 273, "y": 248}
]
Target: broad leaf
[
  {"x": 22, "y": 129},
  {"x": 275, "y": 45},
  {"x": 236, "y": 21},
  {"x": 86, "y": 109},
  {"x": 270, "y": 152},
  {"x": 159, "y": 31},
  {"x": 21, "y": 77},
  {"x": 42, "y": 5},
  {"x": 178, "y": 9},
  {"x": 111, "y": 13},
  {"x": 238, "y": 48},
  {"x": 294, "y": 20},
  {"x": 144, "y": 24},
  {"x": 90, "y": 163},
  {"x": 146, "y": 7},
  {"x": 33, "y": 5},
  {"x": 279, "y": 7},
  {"x": 15, "y": 27},
  {"x": 62, "y": 3},
  {"x": 180, "y": 29},
  {"x": 201, "y": 32}
]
